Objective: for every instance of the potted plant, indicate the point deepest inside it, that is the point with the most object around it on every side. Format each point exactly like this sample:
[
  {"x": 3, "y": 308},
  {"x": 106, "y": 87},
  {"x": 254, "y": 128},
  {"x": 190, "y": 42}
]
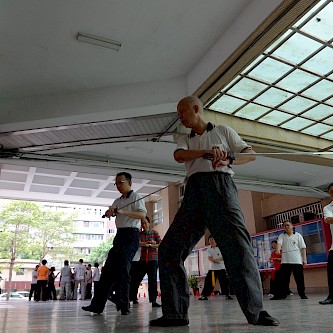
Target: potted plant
[{"x": 193, "y": 282}]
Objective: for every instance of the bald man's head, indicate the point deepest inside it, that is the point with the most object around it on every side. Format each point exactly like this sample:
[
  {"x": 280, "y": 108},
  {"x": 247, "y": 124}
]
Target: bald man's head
[{"x": 191, "y": 101}]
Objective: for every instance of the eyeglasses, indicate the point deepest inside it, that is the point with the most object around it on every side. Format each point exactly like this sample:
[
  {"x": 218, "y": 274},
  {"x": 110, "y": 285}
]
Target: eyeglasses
[{"x": 119, "y": 182}]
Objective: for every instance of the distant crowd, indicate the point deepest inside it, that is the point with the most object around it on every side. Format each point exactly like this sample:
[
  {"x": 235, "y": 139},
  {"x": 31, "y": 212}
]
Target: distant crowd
[{"x": 83, "y": 276}]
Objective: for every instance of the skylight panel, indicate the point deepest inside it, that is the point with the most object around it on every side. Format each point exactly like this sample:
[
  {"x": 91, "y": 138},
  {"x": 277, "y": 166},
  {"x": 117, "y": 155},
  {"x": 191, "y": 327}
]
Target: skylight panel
[{"x": 227, "y": 104}]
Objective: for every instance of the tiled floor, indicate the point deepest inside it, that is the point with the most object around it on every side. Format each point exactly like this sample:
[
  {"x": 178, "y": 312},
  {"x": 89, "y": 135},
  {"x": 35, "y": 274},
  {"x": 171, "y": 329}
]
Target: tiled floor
[{"x": 215, "y": 315}]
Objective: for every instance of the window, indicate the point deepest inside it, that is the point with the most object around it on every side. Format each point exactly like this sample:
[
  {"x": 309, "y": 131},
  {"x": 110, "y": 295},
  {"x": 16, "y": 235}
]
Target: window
[
  {"x": 20, "y": 271},
  {"x": 158, "y": 212}
]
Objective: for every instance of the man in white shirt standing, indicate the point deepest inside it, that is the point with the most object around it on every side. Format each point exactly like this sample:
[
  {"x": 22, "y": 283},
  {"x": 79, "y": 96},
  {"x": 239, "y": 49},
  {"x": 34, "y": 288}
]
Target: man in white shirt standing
[
  {"x": 328, "y": 216},
  {"x": 65, "y": 281},
  {"x": 216, "y": 270},
  {"x": 79, "y": 276},
  {"x": 293, "y": 258},
  {"x": 33, "y": 289}
]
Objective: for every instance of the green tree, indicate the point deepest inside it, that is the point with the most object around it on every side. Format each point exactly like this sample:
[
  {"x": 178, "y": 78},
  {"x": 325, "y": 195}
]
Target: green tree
[
  {"x": 53, "y": 236},
  {"x": 17, "y": 220},
  {"x": 32, "y": 233},
  {"x": 100, "y": 253}
]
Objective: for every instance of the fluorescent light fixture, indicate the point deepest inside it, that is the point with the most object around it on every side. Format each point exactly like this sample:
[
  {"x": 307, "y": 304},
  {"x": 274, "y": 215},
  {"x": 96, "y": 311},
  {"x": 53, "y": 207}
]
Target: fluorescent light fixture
[{"x": 99, "y": 41}]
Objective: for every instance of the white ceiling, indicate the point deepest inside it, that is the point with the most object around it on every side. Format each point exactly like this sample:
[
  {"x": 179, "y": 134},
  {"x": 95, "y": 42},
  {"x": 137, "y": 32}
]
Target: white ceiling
[{"x": 169, "y": 48}]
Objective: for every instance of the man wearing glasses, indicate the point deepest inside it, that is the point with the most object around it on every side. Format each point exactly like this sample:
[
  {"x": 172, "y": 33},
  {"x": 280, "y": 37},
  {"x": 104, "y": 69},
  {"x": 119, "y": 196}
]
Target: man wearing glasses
[{"x": 129, "y": 210}]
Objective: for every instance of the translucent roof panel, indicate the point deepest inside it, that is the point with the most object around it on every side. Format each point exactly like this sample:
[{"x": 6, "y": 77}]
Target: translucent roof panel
[
  {"x": 227, "y": 104},
  {"x": 297, "y": 80},
  {"x": 273, "y": 97},
  {"x": 320, "y": 63},
  {"x": 248, "y": 89},
  {"x": 275, "y": 118},
  {"x": 290, "y": 85},
  {"x": 321, "y": 26},
  {"x": 297, "y": 105},
  {"x": 297, "y": 48},
  {"x": 252, "y": 111},
  {"x": 322, "y": 90},
  {"x": 270, "y": 70}
]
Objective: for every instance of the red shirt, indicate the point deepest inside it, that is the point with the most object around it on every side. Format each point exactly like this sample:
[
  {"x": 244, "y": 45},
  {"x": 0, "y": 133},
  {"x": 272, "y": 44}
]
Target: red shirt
[
  {"x": 149, "y": 253},
  {"x": 276, "y": 263}
]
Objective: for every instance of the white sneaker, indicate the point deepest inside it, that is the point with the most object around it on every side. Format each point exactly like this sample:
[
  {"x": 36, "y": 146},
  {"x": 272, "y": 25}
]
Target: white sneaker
[{"x": 270, "y": 296}]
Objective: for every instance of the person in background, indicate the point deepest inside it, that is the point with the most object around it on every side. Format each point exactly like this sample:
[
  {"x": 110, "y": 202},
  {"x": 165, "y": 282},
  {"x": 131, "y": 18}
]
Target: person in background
[
  {"x": 148, "y": 263},
  {"x": 275, "y": 260},
  {"x": 80, "y": 279},
  {"x": 42, "y": 279},
  {"x": 88, "y": 279},
  {"x": 96, "y": 275},
  {"x": 293, "y": 260},
  {"x": 65, "y": 282},
  {"x": 216, "y": 271},
  {"x": 328, "y": 217},
  {"x": 51, "y": 286},
  {"x": 33, "y": 288}
]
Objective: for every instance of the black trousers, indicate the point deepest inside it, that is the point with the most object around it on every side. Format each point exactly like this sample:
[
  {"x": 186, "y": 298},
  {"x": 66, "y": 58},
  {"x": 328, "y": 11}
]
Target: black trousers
[
  {"x": 138, "y": 270},
  {"x": 210, "y": 201},
  {"x": 330, "y": 274},
  {"x": 33, "y": 290},
  {"x": 285, "y": 273},
  {"x": 41, "y": 288},
  {"x": 220, "y": 275},
  {"x": 275, "y": 284},
  {"x": 88, "y": 290},
  {"x": 116, "y": 270},
  {"x": 52, "y": 291}
]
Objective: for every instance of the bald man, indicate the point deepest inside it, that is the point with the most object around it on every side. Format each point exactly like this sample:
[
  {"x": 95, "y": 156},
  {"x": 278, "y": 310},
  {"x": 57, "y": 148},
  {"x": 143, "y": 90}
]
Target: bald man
[{"x": 210, "y": 201}]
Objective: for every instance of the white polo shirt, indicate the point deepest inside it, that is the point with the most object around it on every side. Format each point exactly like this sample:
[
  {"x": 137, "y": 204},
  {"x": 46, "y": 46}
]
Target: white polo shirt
[
  {"x": 222, "y": 136},
  {"x": 134, "y": 203},
  {"x": 79, "y": 272},
  {"x": 215, "y": 253},
  {"x": 328, "y": 212},
  {"x": 291, "y": 248}
]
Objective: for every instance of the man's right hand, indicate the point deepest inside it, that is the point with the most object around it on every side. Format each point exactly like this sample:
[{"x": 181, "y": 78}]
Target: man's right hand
[
  {"x": 110, "y": 212},
  {"x": 217, "y": 156}
]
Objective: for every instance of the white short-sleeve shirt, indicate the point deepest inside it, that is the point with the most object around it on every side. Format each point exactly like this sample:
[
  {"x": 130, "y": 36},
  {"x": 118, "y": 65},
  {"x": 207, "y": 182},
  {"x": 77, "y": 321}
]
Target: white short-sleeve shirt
[
  {"x": 96, "y": 274},
  {"x": 79, "y": 272},
  {"x": 328, "y": 212},
  {"x": 222, "y": 136},
  {"x": 215, "y": 253},
  {"x": 291, "y": 248}
]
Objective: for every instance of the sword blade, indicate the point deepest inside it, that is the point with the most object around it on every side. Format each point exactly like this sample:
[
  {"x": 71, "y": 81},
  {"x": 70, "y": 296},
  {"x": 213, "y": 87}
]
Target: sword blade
[{"x": 299, "y": 153}]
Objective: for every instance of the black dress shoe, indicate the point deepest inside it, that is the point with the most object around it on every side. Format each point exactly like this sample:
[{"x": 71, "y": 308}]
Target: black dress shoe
[
  {"x": 326, "y": 301},
  {"x": 163, "y": 322},
  {"x": 125, "y": 312},
  {"x": 90, "y": 308},
  {"x": 155, "y": 305},
  {"x": 266, "y": 320},
  {"x": 304, "y": 297}
]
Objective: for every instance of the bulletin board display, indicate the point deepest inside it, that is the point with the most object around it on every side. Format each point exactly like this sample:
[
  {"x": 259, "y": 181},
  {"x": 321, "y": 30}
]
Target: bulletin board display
[{"x": 312, "y": 233}]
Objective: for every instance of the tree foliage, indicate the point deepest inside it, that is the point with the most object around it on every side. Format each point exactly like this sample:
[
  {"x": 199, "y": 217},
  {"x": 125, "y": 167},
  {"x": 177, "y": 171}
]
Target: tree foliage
[
  {"x": 100, "y": 253},
  {"x": 29, "y": 232},
  {"x": 18, "y": 219}
]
